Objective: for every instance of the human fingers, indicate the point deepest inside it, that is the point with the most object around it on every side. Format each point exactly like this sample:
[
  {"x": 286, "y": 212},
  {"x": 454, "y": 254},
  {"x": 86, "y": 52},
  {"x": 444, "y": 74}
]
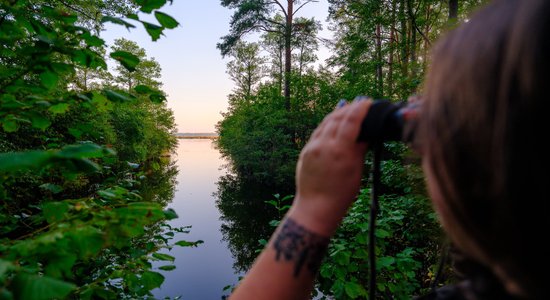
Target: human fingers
[
  {"x": 350, "y": 125},
  {"x": 328, "y": 127}
]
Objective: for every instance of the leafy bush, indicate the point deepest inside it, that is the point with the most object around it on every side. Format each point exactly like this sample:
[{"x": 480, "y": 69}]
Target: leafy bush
[
  {"x": 408, "y": 238},
  {"x": 74, "y": 218}
]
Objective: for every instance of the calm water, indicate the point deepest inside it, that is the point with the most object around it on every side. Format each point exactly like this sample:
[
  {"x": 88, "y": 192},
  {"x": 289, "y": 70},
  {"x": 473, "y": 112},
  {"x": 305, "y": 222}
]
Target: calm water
[
  {"x": 201, "y": 272},
  {"x": 228, "y": 213}
]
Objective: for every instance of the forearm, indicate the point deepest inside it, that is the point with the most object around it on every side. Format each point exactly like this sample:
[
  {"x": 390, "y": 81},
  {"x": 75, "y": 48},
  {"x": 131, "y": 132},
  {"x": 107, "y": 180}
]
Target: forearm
[{"x": 287, "y": 267}]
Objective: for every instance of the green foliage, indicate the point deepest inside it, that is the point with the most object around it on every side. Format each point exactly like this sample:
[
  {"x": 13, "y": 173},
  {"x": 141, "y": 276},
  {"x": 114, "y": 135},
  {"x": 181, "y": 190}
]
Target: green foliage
[
  {"x": 78, "y": 217},
  {"x": 281, "y": 205},
  {"x": 165, "y": 20},
  {"x": 127, "y": 59},
  {"x": 262, "y": 139},
  {"x": 40, "y": 287},
  {"x": 136, "y": 69},
  {"x": 407, "y": 239},
  {"x": 254, "y": 136}
]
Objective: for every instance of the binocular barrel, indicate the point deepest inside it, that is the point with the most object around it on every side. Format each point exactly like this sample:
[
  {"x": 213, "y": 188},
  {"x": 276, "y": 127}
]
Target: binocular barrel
[{"x": 388, "y": 121}]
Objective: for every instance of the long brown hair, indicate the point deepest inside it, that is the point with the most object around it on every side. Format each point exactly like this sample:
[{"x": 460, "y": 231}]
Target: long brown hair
[{"x": 486, "y": 116}]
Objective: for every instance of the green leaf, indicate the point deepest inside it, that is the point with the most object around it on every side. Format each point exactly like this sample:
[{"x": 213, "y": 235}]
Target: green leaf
[
  {"x": 62, "y": 67},
  {"x": 9, "y": 124},
  {"x": 75, "y": 132},
  {"x": 127, "y": 59},
  {"x": 381, "y": 233},
  {"x": 81, "y": 58},
  {"x": 92, "y": 40},
  {"x": 101, "y": 102},
  {"x": 162, "y": 256},
  {"x": 153, "y": 30},
  {"x": 118, "y": 21},
  {"x": 342, "y": 258},
  {"x": 107, "y": 194},
  {"x": 116, "y": 96},
  {"x": 55, "y": 211},
  {"x": 87, "y": 150},
  {"x": 49, "y": 79},
  {"x": 10, "y": 102},
  {"x": 151, "y": 280},
  {"x": 170, "y": 214},
  {"x": 40, "y": 287},
  {"x": 59, "y": 108},
  {"x": 147, "y": 6},
  {"x": 40, "y": 122},
  {"x": 272, "y": 202},
  {"x": 85, "y": 165},
  {"x": 87, "y": 241},
  {"x": 274, "y": 223},
  {"x": 143, "y": 89},
  {"x": 354, "y": 290},
  {"x": 15, "y": 161},
  {"x": 361, "y": 253},
  {"x": 166, "y": 20},
  {"x": 68, "y": 19},
  {"x": 189, "y": 244},
  {"x": 60, "y": 264},
  {"x": 167, "y": 268},
  {"x": 386, "y": 261}
]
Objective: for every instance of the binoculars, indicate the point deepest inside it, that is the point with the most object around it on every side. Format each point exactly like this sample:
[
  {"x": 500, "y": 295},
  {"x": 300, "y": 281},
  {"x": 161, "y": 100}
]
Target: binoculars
[{"x": 388, "y": 121}]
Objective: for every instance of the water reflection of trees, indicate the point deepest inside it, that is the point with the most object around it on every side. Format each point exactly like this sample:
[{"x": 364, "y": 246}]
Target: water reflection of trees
[
  {"x": 159, "y": 184},
  {"x": 245, "y": 217}
]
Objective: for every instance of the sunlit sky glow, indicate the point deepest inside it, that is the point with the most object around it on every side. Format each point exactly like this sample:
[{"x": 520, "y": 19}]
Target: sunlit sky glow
[{"x": 193, "y": 71}]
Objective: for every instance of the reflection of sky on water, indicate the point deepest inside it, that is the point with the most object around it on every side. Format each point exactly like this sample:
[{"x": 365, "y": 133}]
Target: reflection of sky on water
[{"x": 202, "y": 272}]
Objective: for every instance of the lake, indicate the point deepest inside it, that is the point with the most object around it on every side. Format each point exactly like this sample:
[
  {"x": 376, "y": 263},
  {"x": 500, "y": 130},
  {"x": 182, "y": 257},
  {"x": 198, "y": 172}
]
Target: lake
[{"x": 228, "y": 215}]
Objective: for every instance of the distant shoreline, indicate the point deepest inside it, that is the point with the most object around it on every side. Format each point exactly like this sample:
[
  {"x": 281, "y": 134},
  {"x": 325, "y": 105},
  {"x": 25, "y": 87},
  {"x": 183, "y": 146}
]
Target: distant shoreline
[{"x": 196, "y": 135}]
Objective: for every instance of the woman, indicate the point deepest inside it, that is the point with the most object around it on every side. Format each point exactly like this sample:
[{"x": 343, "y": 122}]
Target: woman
[{"x": 481, "y": 134}]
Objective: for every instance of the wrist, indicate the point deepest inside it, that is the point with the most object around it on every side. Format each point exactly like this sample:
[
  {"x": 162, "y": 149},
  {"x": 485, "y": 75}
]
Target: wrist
[{"x": 315, "y": 219}]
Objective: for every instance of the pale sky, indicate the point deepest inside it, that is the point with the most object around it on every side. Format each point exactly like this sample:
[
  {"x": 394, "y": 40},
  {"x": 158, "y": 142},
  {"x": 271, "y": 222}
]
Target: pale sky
[{"x": 193, "y": 71}]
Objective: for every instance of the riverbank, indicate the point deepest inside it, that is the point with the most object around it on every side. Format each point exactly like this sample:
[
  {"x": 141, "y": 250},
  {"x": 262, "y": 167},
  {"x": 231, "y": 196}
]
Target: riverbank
[{"x": 196, "y": 135}]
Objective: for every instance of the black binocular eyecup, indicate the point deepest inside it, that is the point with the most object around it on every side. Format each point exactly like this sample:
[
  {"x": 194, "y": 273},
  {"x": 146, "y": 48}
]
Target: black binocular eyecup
[{"x": 387, "y": 121}]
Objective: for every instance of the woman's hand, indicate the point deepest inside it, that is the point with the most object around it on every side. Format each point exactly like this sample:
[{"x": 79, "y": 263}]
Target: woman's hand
[{"x": 329, "y": 170}]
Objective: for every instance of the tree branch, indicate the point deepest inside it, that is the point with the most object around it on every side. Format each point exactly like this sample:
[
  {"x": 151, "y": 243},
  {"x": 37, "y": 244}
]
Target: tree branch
[
  {"x": 308, "y": 1},
  {"x": 413, "y": 22},
  {"x": 281, "y": 6},
  {"x": 76, "y": 10},
  {"x": 272, "y": 22}
]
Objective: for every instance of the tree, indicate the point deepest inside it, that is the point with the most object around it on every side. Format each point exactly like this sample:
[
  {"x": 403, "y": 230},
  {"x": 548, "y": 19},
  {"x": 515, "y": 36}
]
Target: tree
[
  {"x": 305, "y": 43},
  {"x": 146, "y": 72},
  {"x": 274, "y": 44},
  {"x": 246, "y": 69},
  {"x": 257, "y": 16}
]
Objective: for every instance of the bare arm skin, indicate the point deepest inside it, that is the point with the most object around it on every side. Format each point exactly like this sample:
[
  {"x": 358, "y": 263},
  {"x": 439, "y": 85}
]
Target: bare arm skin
[{"x": 328, "y": 176}]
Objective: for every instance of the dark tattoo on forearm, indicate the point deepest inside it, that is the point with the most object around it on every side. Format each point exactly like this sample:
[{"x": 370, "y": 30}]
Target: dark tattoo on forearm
[{"x": 295, "y": 243}]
